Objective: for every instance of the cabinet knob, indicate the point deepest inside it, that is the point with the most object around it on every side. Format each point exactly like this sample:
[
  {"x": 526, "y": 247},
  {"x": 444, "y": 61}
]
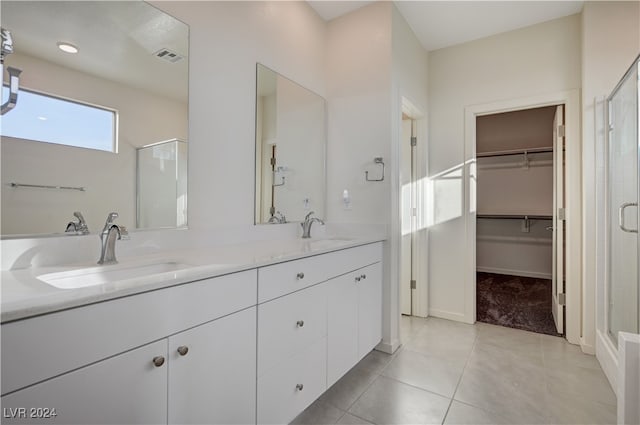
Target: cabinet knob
[
  {"x": 358, "y": 278},
  {"x": 158, "y": 361},
  {"x": 299, "y": 387},
  {"x": 364, "y": 276},
  {"x": 300, "y": 323},
  {"x": 300, "y": 276},
  {"x": 183, "y": 350}
]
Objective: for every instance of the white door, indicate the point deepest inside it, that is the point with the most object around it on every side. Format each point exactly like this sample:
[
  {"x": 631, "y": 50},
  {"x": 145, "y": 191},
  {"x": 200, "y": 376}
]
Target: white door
[
  {"x": 342, "y": 326},
  {"x": 369, "y": 308},
  {"x": 212, "y": 372},
  {"x": 558, "y": 219},
  {"x": 408, "y": 219},
  {"x": 125, "y": 389}
]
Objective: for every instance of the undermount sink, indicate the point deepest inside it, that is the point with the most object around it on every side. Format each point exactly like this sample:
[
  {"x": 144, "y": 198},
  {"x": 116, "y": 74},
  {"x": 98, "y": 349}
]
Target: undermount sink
[{"x": 91, "y": 276}]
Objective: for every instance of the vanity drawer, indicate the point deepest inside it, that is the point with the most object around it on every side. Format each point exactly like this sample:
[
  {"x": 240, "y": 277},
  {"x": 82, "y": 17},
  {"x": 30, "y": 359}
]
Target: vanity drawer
[
  {"x": 41, "y": 347},
  {"x": 284, "y": 278},
  {"x": 294, "y": 384},
  {"x": 289, "y": 325}
]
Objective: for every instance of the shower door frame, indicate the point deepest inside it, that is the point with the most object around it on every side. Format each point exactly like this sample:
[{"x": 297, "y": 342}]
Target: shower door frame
[{"x": 633, "y": 69}]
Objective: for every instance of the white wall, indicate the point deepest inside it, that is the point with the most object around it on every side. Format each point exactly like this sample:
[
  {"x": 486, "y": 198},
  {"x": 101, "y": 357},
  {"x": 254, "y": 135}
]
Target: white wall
[
  {"x": 226, "y": 41},
  {"x": 610, "y": 42},
  {"x": 110, "y": 179},
  {"x": 409, "y": 94},
  {"x": 543, "y": 58},
  {"x": 373, "y": 61}
]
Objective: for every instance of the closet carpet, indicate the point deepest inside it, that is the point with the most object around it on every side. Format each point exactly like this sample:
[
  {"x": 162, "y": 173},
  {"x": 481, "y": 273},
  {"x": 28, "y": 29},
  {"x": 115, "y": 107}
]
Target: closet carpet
[{"x": 515, "y": 301}]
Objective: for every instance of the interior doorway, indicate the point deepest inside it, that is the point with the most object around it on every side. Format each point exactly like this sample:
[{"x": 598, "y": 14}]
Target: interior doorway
[
  {"x": 408, "y": 209},
  {"x": 520, "y": 249}
]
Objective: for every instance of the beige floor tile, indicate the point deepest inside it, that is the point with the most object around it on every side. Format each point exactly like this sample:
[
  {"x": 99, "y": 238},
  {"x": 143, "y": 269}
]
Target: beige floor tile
[
  {"x": 349, "y": 419},
  {"x": 409, "y": 325},
  {"x": 318, "y": 413},
  {"x": 579, "y": 382},
  {"x": 509, "y": 389},
  {"x": 436, "y": 374},
  {"x": 352, "y": 385},
  {"x": 391, "y": 402},
  {"x": 375, "y": 361},
  {"x": 566, "y": 408},
  {"x": 460, "y": 413},
  {"x": 453, "y": 343}
]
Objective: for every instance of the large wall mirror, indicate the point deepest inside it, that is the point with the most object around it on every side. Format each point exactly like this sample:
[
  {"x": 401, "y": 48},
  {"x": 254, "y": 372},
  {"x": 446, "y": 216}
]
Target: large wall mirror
[
  {"x": 101, "y": 118},
  {"x": 290, "y": 149}
]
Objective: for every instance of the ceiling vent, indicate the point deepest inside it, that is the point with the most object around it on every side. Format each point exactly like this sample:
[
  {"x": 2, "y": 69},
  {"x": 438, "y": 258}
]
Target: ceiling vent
[{"x": 168, "y": 55}]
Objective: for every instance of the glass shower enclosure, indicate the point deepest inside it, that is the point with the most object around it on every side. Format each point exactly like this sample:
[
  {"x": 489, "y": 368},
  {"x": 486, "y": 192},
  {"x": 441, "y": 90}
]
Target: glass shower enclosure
[
  {"x": 162, "y": 185},
  {"x": 623, "y": 221}
]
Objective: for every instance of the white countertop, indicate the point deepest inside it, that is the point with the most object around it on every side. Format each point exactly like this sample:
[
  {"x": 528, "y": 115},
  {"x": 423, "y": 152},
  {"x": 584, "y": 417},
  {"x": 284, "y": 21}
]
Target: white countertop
[{"x": 24, "y": 295}]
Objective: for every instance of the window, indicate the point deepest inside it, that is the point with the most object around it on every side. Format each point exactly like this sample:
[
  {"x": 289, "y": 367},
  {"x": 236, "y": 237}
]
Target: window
[{"x": 45, "y": 118}]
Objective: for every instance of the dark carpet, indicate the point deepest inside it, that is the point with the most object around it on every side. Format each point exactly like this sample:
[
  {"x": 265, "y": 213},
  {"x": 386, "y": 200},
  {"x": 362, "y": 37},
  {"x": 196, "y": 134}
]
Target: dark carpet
[{"x": 516, "y": 302}]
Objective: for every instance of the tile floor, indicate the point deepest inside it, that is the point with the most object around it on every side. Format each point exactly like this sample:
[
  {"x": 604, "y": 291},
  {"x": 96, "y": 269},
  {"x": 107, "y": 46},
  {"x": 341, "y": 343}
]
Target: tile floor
[{"x": 452, "y": 373}]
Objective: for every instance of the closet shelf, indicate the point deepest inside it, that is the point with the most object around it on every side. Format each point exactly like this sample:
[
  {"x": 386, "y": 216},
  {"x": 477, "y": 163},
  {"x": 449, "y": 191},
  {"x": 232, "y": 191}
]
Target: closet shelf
[
  {"x": 514, "y": 152},
  {"x": 515, "y": 216}
]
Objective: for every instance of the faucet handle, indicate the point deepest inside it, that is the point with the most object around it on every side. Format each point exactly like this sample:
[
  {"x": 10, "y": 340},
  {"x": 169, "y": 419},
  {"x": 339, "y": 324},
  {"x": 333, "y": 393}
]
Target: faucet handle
[
  {"x": 124, "y": 233},
  {"x": 111, "y": 217}
]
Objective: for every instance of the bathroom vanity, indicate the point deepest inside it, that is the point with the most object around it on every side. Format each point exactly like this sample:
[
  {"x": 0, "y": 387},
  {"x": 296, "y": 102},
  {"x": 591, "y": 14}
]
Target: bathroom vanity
[{"x": 253, "y": 341}]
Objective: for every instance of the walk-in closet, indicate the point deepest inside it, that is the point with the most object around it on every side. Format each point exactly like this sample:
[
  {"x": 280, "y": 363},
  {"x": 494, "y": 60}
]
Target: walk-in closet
[{"x": 520, "y": 234}]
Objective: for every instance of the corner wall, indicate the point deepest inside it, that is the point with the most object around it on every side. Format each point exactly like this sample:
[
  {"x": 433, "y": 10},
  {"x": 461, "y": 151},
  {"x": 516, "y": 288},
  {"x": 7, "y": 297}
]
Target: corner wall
[
  {"x": 610, "y": 42},
  {"x": 539, "y": 59}
]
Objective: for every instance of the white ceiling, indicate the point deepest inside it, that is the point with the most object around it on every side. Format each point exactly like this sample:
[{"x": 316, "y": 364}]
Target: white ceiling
[
  {"x": 439, "y": 24},
  {"x": 117, "y": 40}
]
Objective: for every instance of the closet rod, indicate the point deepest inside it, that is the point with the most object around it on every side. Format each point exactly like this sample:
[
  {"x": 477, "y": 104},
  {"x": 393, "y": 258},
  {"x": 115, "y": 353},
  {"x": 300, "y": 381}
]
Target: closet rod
[
  {"x": 514, "y": 152},
  {"x": 515, "y": 217}
]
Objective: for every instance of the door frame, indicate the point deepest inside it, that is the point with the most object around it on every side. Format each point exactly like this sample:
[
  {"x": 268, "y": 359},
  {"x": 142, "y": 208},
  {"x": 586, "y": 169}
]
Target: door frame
[
  {"x": 420, "y": 300},
  {"x": 573, "y": 200}
]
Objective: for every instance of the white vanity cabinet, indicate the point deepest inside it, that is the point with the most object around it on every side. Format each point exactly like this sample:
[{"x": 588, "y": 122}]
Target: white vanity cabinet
[
  {"x": 354, "y": 305},
  {"x": 255, "y": 345},
  {"x": 201, "y": 368},
  {"x": 315, "y": 322},
  {"x": 127, "y": 388}
]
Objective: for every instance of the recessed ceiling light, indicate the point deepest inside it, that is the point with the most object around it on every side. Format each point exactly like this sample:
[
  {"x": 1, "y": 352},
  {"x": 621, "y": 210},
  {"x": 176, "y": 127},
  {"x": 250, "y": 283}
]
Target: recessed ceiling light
[
  {"x": 41, "y": 118},
  {"x": 67, "y": 47}
]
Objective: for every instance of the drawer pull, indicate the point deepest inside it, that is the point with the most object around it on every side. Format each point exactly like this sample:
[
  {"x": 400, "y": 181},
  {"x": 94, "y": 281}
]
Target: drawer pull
[
  {"x": 358, "y": 278},
  {"x": 364, "y": 276},
  {"x": 300, "y": 276},
  {"x": 183, "y": 350},
  {"x": 300, "y": 323},
  {"x": 158, "y": 361},
  {"x": 299, "y": 387}
]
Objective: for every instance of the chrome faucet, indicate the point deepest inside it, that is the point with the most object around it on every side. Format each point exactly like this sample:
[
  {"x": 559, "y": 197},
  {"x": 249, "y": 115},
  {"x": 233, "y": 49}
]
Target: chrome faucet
[
  {"x": 80, "y": 227},
  {"x": 110, "y": 233},
  {"x": 306, "y": 225},
  {"x": 278, "y": 218}
]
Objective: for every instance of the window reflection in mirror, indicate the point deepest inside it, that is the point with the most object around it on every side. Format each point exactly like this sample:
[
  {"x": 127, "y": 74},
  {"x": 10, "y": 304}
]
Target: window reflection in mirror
[
  {"x": 290, "y": 149},
  {"x": 120, "y": 45}
]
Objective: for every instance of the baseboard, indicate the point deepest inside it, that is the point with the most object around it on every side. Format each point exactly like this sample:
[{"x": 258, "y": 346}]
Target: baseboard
[
  {"x": 607, "y": 356},
  {"x": 388, "y": 348},
  {"x": 458, "y": 317},
  {"x": 587, "y": 348},
  {"x": 522, "y": 273}
]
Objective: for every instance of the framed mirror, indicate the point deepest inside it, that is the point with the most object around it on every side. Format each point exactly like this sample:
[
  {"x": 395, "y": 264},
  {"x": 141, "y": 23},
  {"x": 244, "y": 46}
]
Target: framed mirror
[
  {"x": 103, "y": 85},
  {"x": 290, "y": 149}
]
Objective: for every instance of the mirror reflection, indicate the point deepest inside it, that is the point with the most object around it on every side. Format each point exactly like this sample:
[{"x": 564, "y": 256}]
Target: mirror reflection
[
  {"x": 101, "y": 117},
  {"x": 290, "y": 149}
]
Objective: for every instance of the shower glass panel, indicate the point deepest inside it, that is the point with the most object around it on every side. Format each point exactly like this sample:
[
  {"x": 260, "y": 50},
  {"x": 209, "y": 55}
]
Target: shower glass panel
[
  {"x": 162, "y": 185},
  {"x": 623, "y": 160}
]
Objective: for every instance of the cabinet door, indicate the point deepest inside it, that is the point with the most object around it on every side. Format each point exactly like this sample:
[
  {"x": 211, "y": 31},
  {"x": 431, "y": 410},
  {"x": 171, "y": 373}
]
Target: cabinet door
[
  {"x": 126, "y": 389},
  {"x": 342, "y": 326},
  {"x": 212, "y": 378},
  {"x": 369, "y": 308}
]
